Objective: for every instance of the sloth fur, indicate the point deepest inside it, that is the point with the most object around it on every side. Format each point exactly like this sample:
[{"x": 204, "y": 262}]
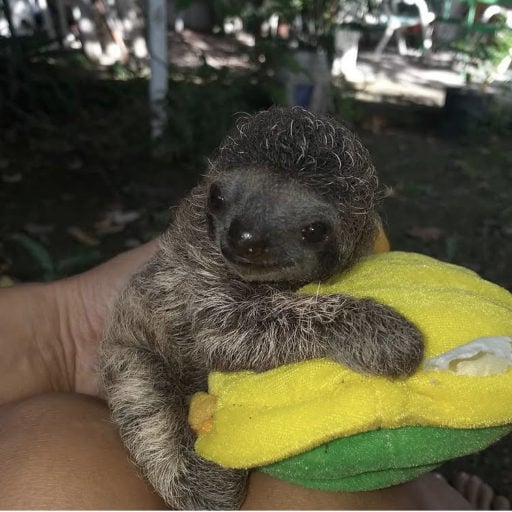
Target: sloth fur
[{"x": 289, "y": 198}]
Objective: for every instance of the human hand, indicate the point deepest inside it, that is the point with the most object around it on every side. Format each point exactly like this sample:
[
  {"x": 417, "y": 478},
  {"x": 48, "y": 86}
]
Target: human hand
[
  {"x": 86, "y": 300},
  {"x": 49, "y": 333}
]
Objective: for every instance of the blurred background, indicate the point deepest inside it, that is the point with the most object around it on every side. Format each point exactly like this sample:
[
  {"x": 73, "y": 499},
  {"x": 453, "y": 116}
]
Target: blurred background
[{"x": 110, "y": 108}]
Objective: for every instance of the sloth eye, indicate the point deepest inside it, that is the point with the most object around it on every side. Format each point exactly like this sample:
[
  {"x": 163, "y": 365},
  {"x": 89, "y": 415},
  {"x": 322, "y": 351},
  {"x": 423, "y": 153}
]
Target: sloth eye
[
  {"x": 315, "y": 232},
  {"x": 215, "y": 199}
]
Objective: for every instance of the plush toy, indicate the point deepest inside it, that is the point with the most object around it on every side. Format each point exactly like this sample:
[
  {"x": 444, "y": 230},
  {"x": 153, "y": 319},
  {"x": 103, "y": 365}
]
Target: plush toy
[{"x": 321, "y": 425}]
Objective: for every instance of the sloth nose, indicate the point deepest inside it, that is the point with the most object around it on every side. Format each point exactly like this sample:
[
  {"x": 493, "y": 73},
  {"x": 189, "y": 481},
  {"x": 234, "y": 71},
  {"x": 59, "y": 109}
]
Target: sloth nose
[{"x": 246, "y": 243}]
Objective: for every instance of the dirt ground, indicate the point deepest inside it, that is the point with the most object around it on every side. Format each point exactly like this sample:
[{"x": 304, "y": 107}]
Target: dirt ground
[
  {"x": 442, "y": 208},
  {"x": 77, "y": 189}
]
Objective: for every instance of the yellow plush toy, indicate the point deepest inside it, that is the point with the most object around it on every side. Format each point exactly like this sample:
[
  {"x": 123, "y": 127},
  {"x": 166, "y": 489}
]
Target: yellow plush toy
[{"x": 320, "y": 424}]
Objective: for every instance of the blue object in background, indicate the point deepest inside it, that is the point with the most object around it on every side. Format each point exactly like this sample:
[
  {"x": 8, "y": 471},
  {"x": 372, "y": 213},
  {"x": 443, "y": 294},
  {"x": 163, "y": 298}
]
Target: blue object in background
[{"x": 302, "y": 94}]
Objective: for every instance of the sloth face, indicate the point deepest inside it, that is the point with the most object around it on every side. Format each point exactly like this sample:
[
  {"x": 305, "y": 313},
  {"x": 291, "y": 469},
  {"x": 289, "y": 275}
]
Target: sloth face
[{"x": 273, "y": 230}]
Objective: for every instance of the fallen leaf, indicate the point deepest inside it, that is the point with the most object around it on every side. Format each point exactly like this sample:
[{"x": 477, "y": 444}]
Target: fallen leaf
[
  {"x": 375, "y": 123},
  {"x": 122, "y": 217},
  {"x": 75, "y": 164},
  {"x": 40, "y": 231},
  {"x": 52, "y": 145},
  {"x": 130, "y": 243},
  {"x": 507, "y": 230},
  {"x": 81, "y": 236},
  {"x": 107, "y": 227},
  {"x": 467, "y": 168},
  {"x": 426, "y": 234},
  {"x": 12, "y": 178},
  {"x": 5, "y": 281},
  {"x": 33, "y": 228}
]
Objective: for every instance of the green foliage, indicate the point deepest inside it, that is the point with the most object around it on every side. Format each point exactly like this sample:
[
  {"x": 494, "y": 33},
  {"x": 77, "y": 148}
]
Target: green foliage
[
  {"x": 65, "y": 90},
  {"x": 500, "y": 110},
  {"x": 183, "y": 4},
  {"x": 506, "y": 215},
  {"x": 51, "y": 269},
  {"x": 346, "y": 106},
  {"x": 501, "y": 45},
  {"x": 483, "y": 50},
  {"x": 59, "y": 106},
  {"x": 451, "y": 248},
  {"x": 221, "y": 9},
  {"x": 316, "y": 19},
  {"x": 201, "y": 107},
  {"x": 319, "y": 12}
]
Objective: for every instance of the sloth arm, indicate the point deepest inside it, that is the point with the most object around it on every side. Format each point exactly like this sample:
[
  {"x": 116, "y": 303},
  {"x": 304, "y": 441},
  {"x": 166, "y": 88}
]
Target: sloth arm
[
  {"x": 149, "y": 403},
  {"x": 268, "y": 328},
  {"x": 138, "y": 384}
]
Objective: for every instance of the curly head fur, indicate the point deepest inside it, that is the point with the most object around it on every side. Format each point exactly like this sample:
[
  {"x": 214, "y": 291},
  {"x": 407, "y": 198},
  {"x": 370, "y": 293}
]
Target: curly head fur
[
  {"x": 317, "y": 151},
  {"x": 321, "y": 155}
]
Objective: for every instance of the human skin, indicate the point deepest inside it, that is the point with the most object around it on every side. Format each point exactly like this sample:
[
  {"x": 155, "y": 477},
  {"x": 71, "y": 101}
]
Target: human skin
[
  {"x": 49, "y": 332},
  {"x": 59, "y": 449}
]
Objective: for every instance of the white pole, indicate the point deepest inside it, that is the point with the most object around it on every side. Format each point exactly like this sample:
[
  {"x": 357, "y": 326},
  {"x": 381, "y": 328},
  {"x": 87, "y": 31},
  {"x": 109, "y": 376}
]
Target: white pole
[{"x": 158, "y": 84}]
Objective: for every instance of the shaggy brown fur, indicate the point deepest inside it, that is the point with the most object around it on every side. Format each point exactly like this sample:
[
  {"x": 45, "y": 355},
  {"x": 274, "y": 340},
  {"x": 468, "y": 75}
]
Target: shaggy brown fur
[{"x": 289, "y": 198}]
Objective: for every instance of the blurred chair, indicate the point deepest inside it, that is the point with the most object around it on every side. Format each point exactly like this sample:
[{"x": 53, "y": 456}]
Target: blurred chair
[
  {"x": 506, "y": 14},
  {"x": 402, "y": 14},
  {"x": 497, "y": 10}
]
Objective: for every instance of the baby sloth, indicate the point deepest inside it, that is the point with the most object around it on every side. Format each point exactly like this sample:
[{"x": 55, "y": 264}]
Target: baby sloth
[{"x": 288, "y": 199}]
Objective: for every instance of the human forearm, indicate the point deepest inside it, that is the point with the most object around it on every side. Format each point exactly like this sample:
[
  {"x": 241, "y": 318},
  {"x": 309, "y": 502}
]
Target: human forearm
[
  {"x": 32, "y": 358},
  {"x": 49, "y": 332}
]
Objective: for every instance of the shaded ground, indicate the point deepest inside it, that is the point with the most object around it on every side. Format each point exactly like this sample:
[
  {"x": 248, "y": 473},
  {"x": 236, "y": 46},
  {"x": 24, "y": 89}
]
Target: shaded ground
[
  {"x": 78, "y": 186},
  {"x": 452, "y": 201}
]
